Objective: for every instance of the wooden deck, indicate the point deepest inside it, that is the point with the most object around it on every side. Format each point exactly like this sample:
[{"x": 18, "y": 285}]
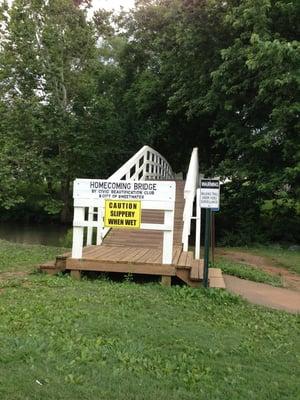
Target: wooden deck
[{"x": 139, "y": 252}]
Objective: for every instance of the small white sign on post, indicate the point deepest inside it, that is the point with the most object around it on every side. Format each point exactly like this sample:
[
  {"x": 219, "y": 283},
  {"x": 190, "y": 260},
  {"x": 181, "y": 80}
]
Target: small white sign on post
[{"x": 210, "y": 193}]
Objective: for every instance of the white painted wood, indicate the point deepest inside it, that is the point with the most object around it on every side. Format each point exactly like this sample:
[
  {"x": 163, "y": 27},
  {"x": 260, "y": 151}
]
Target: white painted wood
[
  {"x": 146, "y": 205},
  {"x": 121, "y": 190},
  {"x": 90, "y": 228},
  {"x": 78, "y": 233},
  {"x": 167, "y": 257},
  {"x": 191, "y": 185},
  {"x": 148, "y": 164},
  {"x": 100, "y": 228},
  {"x": 157, "y": 227},
  {"x": 198, "y": 226}
]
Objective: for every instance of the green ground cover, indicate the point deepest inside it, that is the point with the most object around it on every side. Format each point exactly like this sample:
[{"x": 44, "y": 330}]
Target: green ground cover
[
  {"x": 23, "y": 257},
  {"x": 247, "y": 272},
  {"x": 63, "y": 339},
  {"x": 282, "y": 257},
  {"x": 66, "y": 339}
]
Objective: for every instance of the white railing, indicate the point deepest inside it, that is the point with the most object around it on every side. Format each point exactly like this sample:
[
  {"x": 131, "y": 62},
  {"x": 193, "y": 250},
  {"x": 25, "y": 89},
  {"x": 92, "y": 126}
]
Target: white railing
[
  {"x": 190, "y": 190},
  {"x": 146, "y": 164}
]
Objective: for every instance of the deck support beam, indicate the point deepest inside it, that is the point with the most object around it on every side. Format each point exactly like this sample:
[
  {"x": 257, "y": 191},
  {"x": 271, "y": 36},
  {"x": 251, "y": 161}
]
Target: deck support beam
[
  {"x": 75, "y": 274},
  {"x": 166, "y": 280}
]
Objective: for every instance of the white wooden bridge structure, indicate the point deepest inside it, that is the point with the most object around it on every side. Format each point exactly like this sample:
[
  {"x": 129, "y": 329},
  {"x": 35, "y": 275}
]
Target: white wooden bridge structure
[{"x": 159, "y": 247}]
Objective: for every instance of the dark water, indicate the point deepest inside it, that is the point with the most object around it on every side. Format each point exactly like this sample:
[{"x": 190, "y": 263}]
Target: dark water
[{"x": 46, "y": 234}]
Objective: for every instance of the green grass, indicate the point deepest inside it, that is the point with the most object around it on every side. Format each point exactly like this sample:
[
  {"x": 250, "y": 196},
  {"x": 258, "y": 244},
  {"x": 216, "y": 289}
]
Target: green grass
[
  {"x": 103, "y": 340},
  {"x": 62, "y": 339},
  {"x": 21, "y": 257},
  {"x": 247, "y": 272},
  {"x": 281, "y": 256}
]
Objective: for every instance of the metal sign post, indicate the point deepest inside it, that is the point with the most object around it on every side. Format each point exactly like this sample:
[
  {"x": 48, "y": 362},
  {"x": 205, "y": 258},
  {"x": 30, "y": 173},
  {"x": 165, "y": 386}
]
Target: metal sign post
[
  {"x": 209, "y": 199},
  {"x": 206, "y": 246}
]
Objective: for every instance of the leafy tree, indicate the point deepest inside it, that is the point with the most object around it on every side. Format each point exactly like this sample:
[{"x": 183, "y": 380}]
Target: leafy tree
[
  {"x": 50, "y": 91},
  {"x": 223, "y": 76}
]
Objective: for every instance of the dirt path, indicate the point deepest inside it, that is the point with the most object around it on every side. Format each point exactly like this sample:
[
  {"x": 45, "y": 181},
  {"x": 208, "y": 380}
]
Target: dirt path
[
  {"x": 289, "y": 279},
  {"x": 265, "y": 295}
]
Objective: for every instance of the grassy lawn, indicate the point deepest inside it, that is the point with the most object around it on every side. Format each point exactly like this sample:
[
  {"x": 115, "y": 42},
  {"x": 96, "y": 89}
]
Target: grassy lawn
[
  {"x": 64, "y": 339},
  {"x": 283, "y": 257},
  {"x": 22, "y": 257},
  {"x": 247, "y": 272},
  {"x": 274, "y": 256}
]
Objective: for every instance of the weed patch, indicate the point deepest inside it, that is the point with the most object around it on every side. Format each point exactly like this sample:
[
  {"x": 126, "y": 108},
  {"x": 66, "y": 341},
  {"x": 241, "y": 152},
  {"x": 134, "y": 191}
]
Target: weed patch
[
  {"x": 22, "y": 257},
  {"x": 247, "y": 272}
]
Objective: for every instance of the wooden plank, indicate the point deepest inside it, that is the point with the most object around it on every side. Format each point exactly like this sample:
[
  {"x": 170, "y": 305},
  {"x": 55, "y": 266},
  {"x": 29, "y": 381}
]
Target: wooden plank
[
  {"x": 176, "y": 255},
  {"x": 110, "y": 254},
  {"x": 214, "y": 273},
  {"x": 118, "y": 256},
  {"x": 106, "y": 266},
  {"x": 184, "y": 275},
  {"x": 75, "y": 274},
  {"x": 133, "y": 254},
  {"x": 196, "y": 272},
  {"x": 189, "y": 259},
  {"x": 100, "y": 252},
  {"x": 217, "y": 283},
  {"x": 152, "y": 257},
  {"x": 182, "y": 259},
  {"x": 166, "y": 280},
  {"x": 144, "y": 256},
  {"x": 90, "y": 254},
  {"x": 89, "y": 249},
  {"x": 158, "y": 258},
  {"x": 136, "y": 246}
]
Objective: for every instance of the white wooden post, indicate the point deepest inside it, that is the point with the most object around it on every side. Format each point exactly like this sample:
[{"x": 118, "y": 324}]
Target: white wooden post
[
  {"x": 198, "y": 226},
  {"x": 157, "y": 167},
  {"x": 77, "y": 232},
  {"x": 187, "y": 218},
  {"x": 168, "y": 237},
  {"x": 100, "y": 224},
  {"x": 90, "y": 228}
]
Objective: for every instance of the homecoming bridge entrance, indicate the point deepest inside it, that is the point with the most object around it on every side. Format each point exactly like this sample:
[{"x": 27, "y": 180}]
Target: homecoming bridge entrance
[{"x": 156, "y": 210}]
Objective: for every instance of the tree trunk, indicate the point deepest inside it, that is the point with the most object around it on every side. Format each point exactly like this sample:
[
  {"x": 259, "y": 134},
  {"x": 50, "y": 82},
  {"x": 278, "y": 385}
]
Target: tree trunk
[{"x": 65, "y": 215}]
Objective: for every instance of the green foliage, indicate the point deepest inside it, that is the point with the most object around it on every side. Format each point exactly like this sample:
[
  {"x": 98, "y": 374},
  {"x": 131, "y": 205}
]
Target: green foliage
[
  {"x": 68, "y": 239},
  {"x": 79, "y": 96},
  {"x": 58, "y": 336},
  {"x": 279, "y": 256},
  {"x": 247, "y": 272},
  {"x": 223, "y": 77},
  {"x": 57, "y": 109},
  {"x": 17, "y": 257}
]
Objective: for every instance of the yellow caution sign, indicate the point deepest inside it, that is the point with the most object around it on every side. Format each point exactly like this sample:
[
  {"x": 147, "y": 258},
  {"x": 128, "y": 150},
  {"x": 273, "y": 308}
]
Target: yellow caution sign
[{"x": 122, "y": 214}]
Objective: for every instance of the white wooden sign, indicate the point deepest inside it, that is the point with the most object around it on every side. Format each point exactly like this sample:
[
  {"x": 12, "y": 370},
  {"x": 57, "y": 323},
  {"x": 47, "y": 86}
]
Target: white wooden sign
[
  {"x": 210, "y": 193},
  {"x": 124, "y": 190}
]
